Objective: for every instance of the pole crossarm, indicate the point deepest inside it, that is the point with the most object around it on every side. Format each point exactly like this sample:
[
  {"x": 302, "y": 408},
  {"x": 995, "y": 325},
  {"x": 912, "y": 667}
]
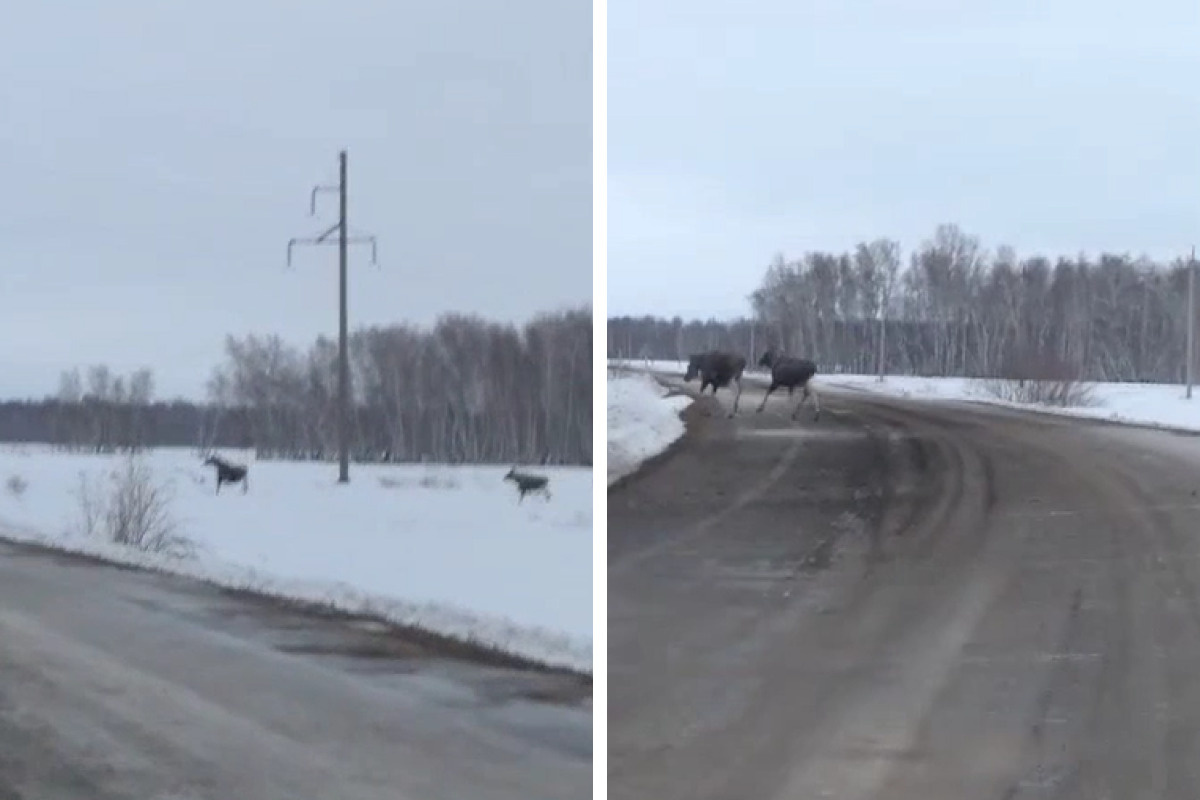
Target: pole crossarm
[
  {"x": 322, "y": 240},
  {"x": 312, "y": 204},
  {"x": 335, "y": 226}
]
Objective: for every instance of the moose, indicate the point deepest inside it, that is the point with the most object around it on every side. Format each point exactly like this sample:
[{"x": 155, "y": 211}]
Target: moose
[
  {"x": 790, "y": 373},
  {"x": 229, "y": 473},
  {"x": 528, "y": 483},
  {"x": 716, "y": 368}
]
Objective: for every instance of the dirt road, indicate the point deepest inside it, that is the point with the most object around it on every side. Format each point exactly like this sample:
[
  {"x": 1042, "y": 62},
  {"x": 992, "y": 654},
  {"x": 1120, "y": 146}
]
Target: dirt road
[
  {"x": 906, "y": 600},
  {"x": 122, "y": 685}
]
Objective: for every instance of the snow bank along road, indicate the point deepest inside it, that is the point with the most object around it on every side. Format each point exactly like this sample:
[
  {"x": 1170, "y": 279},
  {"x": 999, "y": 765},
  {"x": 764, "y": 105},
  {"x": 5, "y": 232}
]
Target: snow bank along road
[
  {"x": 906, "y": 600},
  {"x": 117, "y": 684}
]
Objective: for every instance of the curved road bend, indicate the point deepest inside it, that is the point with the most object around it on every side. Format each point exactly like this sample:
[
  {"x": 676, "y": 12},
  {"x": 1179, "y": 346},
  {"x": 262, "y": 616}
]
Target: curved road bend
[
  {"x": 124, "y": 685},
  {"x": 906, "y": 600}
]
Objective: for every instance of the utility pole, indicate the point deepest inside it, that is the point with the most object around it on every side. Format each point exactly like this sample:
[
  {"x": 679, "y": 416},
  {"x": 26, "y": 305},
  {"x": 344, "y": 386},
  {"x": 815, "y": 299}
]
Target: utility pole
[
  {"x": 882, "y": 343},
  {"x": 343, "y": 239},
  {"x": 1191, "y": 322}
]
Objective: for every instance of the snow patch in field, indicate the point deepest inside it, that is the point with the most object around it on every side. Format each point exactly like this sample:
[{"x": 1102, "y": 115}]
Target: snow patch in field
[
  {"x": 642, "y": 422},
  {"x": 444, "y": 548}
]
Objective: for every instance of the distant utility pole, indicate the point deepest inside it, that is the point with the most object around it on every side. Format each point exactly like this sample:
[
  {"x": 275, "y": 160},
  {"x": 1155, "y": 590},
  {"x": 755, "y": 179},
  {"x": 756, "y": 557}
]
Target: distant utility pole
[
  {"x": 1191, "y": 322},
  {"x": 343, "y": 350},
  {"x": 880, "y": 356}
]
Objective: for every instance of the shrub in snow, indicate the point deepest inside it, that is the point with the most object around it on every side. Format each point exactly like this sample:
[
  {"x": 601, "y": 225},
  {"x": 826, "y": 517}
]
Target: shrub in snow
[
  {"x": 432, "y": 480},
  {"x": 134, "y": 512},
  {"x": 1061, "y": 393},
  {"x": 429, "y": 480},
  {"x": 90, "y": 506},
  {"x": 1043, "y": 380},
  {"x": 16, "y": 485}
]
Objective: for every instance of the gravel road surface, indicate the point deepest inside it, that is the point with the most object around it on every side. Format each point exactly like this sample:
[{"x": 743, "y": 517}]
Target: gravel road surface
[
  {"x": 123, "y": 685},
  {"x": 906, "y": 600}
]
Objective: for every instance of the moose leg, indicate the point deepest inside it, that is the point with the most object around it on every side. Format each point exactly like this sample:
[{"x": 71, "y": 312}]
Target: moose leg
[
  {"x": 804, "y": 398},
  {"x": 770, "y": 389}
]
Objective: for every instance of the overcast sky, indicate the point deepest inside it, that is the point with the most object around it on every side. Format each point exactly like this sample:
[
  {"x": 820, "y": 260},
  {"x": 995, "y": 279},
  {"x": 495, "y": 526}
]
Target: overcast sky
[
  {"x": 738, "y": 130},
  {"x": 158, "y": 156}
]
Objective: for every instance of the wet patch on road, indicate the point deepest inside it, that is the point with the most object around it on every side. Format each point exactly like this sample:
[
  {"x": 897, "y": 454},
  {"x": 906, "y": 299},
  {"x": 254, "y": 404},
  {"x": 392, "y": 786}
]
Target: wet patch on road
[
  {"x": 358, "y": 643},
  {"x": 366, "y": 645}
]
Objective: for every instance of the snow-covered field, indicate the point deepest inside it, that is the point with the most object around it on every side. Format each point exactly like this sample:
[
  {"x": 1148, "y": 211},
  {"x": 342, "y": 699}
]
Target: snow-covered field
[
  {"x": 1153, "y": 404},
  {"x": 445, "y": 548},
  {"x": 642, "y": 421}
]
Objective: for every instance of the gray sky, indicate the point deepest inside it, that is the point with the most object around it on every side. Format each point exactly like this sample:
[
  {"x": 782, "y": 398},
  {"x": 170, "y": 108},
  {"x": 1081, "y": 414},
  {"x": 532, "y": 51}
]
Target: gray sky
[
  {"x": 156, "y": 161},
  {"x": 738, "y": 130}
]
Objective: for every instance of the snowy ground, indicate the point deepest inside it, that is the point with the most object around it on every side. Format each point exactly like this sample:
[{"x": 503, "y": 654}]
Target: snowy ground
[
  {"x": 1141, "y": 403},
  {"x": 642, "y": 421},
  {"x": 446, "y": 548}
]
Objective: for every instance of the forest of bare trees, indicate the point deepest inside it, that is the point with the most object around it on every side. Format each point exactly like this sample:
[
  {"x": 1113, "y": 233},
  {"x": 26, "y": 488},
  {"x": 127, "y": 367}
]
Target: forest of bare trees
[
  {"x": 465, "y": 390},
  {"x": 955, "y": 309}
]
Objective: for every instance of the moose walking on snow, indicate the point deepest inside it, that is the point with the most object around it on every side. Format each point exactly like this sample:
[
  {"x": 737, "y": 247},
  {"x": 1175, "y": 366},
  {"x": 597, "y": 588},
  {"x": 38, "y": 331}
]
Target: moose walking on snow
[
  {"x": 528, "y": 483},
  {"x": 229, "y": 473}
]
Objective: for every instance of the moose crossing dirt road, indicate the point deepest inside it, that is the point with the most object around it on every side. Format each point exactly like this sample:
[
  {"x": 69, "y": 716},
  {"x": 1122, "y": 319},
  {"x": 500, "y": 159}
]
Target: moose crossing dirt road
[
  {"x": 117, "y": 684},
  {"x": 907, "y": 599}
]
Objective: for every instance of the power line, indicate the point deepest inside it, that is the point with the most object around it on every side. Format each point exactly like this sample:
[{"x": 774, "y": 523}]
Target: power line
[{"x": 343, "y": 350}]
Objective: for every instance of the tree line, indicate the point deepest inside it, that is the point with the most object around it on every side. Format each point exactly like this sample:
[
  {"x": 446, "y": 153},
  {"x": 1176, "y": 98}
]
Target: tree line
[
  {"x": 954, "y": 309},
  {"x": 462, "y": 391}
]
